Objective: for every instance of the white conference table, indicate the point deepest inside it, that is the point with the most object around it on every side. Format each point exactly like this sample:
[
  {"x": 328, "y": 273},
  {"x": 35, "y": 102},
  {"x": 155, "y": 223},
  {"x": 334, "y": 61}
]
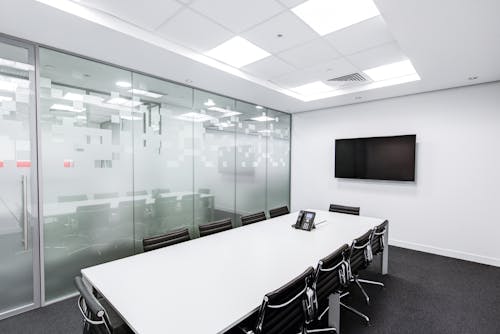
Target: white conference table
[{"x": 209, "y": 284}]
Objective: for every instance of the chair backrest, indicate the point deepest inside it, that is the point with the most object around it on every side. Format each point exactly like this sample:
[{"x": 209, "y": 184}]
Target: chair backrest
[
  {"x": 253, "y": 218},
  {"x": 204, "y": 190},
  {"x": 159, "y": 191},
  {"x": 105, "y": 195},
  {"x": 136, "y": 208},
  {"x": 284, "y": 310},
  {"x": 360, "y": 255},
  {"x": 279, "y": 211},
  {"x": 94, "y": 315},
  {"x": 72, "y": 198},
  {"x": 168, "y": 239},
  {"x": 331, "y": 274},
  {"x": 166, "y": 206},
  {"x": 92, "y": 218},
  {"x": 350, "y": 210},
  {"x": 215, "y": 227},
  {"x": 137, "y": 193},
  {"x": 378, "y": 242}
]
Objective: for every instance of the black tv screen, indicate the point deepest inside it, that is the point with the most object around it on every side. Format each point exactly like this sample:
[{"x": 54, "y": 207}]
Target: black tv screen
[{"x": 377, "y": 158}]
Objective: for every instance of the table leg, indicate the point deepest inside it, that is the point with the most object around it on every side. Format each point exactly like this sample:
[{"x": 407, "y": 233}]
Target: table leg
[
  {"x": 334, "y": 311},
  {"x": 384, "y": 259}
]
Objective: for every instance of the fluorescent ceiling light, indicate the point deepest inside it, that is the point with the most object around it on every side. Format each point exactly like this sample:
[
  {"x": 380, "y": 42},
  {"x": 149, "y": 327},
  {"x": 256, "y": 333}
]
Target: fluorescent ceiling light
[
  {"x": 123, "y": 84},
  {"x": 5, "y": 98},
  {"x": 195, "y": 117},
  {"x": 391, "y": 71},
  {"x": 259, "y": 107},
  {"x": 237, "y": 52},
  {"x": 145, "y": 93},
  {"x": 65, "y": 107},
  {"x": 263, "y": 118},
  {"x": 17, "y": 65},
  {"x": 120, "y": 101},
  {"x": 73, "y": 96},
  {"x": 225, "y": 111},
  {"x": 326, "y": 16},
  {"x": 312, "y": 88},
  {"x": 225, "y": 125},
  {"x": 266, "y": 131},
  {"x": 209, "y": 103}
]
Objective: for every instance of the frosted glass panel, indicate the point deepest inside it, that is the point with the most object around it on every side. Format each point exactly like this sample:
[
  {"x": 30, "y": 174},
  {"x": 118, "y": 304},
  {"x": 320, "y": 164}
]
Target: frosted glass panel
[
  {"x": 18, "y": 192},
  {"x": 278, "y": 162},
  {"x": 163, "y": 156},
  {"x": 251, "y": 150},
  {"x": 86, "y": 133},
  {"x": 214, "y": 164}
]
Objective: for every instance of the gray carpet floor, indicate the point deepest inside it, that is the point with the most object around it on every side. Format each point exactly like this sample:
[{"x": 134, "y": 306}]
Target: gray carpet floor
[{"x": 424, "y": 293}]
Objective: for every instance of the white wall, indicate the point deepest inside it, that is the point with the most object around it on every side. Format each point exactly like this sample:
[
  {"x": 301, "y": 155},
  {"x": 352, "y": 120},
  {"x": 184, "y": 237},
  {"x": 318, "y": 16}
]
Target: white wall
[{"x": 453, "y": 207}]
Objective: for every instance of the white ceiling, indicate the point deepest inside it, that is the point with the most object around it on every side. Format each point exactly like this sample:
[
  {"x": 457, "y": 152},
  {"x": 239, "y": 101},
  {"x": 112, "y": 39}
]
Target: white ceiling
[{"x": 447, "y": 41}]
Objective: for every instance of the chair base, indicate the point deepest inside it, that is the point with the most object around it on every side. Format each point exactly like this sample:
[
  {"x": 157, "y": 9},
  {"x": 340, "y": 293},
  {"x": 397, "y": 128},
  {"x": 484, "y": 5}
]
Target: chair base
[{"x": 356, "y": 312}]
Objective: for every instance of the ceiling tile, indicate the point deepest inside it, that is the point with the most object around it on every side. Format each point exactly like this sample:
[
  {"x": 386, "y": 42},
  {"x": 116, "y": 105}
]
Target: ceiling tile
[
  {"x": 191, "y": 29},
  {"x": 291, "y": 3},
  {"x": 293, "y": 29},
  {"x": 238, "y": 15},
  {"x": 360, "y": 36},
  {"x": 329, "y": 70},
  {"x": 309, "y": 54},
  {"x": 380, "y": 55},
  {"x": 269, "y": 67},
  {"x": 137, "y": 12}
]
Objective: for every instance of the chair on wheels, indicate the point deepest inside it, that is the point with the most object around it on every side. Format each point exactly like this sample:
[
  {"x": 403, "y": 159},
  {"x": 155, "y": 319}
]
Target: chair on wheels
[
  {"x": 350, "y": 210},
  {"x": 377, "y": 244},
  {"x": 360, "y": 257},
  {"x": 273, "y": 213},
  {"x": 253, "y": 218},
  {"x": 168, "y": 239},
  {"x": 285, "y": 310},
  {"x": 98, "y": 316},
  {"x": 332, "y": 276},
  {"x": 215, "y": 227}
]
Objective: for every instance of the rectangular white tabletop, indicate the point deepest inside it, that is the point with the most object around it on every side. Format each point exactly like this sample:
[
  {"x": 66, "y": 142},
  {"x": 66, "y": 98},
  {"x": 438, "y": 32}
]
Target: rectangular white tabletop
[{"x": 208, "y": 284}]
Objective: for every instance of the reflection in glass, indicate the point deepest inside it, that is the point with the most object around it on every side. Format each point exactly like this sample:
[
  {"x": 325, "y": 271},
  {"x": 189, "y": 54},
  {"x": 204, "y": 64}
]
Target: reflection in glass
[{"x": 87, "y": 124}]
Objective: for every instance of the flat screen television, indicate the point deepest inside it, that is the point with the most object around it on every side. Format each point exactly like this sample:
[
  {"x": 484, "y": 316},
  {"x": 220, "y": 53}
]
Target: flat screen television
[{"x": 376, "y": 158}]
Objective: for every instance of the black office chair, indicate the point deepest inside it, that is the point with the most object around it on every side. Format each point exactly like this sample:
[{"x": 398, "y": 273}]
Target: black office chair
[
  {"x": 279, "y": 212},
  {"x": 360, "y": 257},
  {"x": 285, "y": 309},
  {"x": 253, "y": 218},
  {"x": 377, "y": 244},
  {"x": 330, "y": 277},
  {"x": 72, "y": 198},
  {"x": 168, "y": 239},
  {"x": 98, "y": 316},
  {"x": 215, "y": 227},
  {"x": 350, "y": 210},
  {"x": 105, "y": 195},
  {"x": 157, "y": 192}
]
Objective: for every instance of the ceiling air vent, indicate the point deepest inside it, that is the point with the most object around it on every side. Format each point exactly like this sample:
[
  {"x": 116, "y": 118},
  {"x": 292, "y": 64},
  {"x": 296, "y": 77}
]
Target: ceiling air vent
[{"x": 354, "y": 77}]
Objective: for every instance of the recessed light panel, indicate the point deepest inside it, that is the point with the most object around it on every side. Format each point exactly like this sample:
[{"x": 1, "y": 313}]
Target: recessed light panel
[
  {"x": 225, "y": 111},
  {"x": 5, "y": 98},
  {"x": 312, "y": 88},
  {"x": 145, "y": 93},
  {"x": 326, "y": 16},
  {"x": 391, "y": 71},
  {"x": 64, "y": 107},
  {"x": 123, "y": 84},
  {"x": 120, "y": 101},
  {"x": 195, "y": 117},
  {"x": 73, "y": 96},
  {"x": 238, "y": 52},
  {"x": 263, "y": 118}
]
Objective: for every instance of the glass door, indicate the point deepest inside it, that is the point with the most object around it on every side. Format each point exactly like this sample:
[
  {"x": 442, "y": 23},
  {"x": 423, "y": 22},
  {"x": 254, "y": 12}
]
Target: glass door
[{"x": 19, "y": 250}]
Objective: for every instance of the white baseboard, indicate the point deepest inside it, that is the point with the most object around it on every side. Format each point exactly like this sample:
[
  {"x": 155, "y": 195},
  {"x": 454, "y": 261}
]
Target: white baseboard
[{"x": 446, "y": 252}]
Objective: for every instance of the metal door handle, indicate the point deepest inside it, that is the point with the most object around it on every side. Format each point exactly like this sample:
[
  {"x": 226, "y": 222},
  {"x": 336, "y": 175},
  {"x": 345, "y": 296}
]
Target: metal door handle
[{"x": 24, "y": 181}]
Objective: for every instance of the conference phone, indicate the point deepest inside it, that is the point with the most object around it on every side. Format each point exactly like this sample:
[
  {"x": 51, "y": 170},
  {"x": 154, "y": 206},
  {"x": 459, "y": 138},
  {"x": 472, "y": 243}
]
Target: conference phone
[{"x": 305, "y": 220}]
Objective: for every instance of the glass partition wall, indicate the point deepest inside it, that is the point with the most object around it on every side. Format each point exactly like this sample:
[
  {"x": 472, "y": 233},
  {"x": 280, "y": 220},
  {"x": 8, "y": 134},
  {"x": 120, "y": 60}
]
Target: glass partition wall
[{"x": 126, "y": 156}]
